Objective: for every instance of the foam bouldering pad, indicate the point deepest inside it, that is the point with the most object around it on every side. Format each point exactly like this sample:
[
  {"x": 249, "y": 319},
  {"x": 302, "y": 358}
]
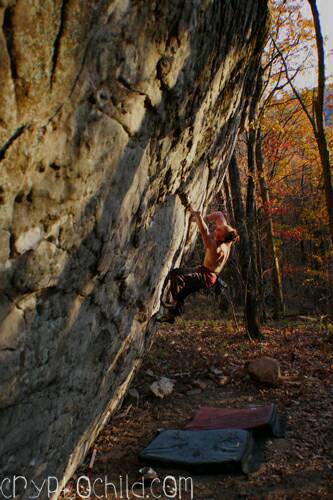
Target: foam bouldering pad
[
  {"x": 201, "y": 451},
  {"x": 259, "y": 418}
]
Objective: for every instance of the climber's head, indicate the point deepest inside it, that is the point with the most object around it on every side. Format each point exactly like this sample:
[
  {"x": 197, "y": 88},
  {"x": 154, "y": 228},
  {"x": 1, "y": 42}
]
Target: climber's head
[{"x": 225, "y": 233}]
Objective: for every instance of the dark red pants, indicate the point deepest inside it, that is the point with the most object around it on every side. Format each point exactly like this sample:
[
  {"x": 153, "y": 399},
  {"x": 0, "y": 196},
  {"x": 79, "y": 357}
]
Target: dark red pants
[{"x": 183, "y": 282}]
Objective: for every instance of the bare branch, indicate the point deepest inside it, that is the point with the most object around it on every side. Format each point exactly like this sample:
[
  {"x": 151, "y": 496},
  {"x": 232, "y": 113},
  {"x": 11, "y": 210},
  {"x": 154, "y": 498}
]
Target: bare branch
[{"x": 310, "y": 118}]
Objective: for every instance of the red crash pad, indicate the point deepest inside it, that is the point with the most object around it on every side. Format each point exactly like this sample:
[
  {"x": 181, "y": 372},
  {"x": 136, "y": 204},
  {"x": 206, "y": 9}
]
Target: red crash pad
[{"x": 263, "y": 418}]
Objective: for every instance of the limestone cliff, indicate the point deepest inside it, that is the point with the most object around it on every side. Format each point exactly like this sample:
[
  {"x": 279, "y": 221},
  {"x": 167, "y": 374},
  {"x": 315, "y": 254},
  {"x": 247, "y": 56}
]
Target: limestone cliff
[{"x": 108, "y": 108}]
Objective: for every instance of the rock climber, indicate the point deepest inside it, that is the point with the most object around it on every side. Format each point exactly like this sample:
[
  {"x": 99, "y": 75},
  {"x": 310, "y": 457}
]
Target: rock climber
[{"x": 218, "y": 244}]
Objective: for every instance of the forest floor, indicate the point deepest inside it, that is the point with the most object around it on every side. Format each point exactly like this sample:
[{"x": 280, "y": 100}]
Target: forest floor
[{"x": 300, "y": 466}]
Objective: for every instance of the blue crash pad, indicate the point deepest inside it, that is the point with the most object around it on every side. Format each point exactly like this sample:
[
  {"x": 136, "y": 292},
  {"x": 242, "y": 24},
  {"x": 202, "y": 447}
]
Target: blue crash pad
[{"x": 219, "y": 448}]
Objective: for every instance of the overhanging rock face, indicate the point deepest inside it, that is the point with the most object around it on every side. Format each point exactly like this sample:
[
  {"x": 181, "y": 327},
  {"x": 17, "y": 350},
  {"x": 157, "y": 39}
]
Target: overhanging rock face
[{"x": 108, "y": 108}]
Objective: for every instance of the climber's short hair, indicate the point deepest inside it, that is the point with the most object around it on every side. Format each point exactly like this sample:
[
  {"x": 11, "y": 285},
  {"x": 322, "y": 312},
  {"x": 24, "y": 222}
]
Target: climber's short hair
[{"x": 232, "y": 235}]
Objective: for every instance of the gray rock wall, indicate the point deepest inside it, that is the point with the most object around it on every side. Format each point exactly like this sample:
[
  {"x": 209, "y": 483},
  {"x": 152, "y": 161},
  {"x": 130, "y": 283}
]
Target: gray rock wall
[{"x": 107, "y": 109}]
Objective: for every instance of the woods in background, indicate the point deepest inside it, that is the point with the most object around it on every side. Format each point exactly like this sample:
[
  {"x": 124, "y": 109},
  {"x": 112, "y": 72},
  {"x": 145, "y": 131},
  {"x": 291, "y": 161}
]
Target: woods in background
[{"x": 278, "y": 189}]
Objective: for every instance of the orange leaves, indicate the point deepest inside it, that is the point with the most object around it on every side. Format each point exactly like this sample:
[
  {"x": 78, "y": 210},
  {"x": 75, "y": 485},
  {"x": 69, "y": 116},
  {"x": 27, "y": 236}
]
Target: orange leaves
[
  {"x": 292, "y": 35},
  {"x": 296, "y": 233}
]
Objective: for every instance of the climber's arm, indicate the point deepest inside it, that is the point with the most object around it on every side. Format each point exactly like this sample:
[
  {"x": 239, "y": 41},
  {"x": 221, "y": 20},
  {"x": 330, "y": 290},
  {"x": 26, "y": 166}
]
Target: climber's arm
[
  {"x": 216, "y": 217},
  {"x": 204, "y": 231}
]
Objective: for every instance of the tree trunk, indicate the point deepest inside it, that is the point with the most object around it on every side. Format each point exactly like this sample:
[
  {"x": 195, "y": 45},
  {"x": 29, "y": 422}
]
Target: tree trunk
[
  {"x": 228, "y": 201},
  {"x": 319, "y": 117},
  {"x": 251, "y": 196},
  {"x": 326, "y": 168},
  {"x": 261, "y": 288},
  {"x": 252, "y": 227},
  {"x": 246, "y": 259},
  {"x": 269, "y": 230}
]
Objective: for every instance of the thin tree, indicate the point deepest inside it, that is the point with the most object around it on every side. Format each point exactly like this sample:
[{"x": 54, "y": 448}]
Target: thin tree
[
  {"x": 319, "y": 121},
  {"x": 316, "y": 117},
  {"x": 269, "y": 230},
  {"x": 247, "y": 258},
  {"x": 295, "y": 43}
]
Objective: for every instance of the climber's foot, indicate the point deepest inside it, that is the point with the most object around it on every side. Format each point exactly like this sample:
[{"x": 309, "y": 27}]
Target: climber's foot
[
  {"x": 166, "y": 318},
  {"x": 169, "y": 305}
]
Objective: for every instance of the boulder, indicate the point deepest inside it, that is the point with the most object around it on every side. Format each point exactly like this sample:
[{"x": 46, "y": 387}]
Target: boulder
[
  {"x": 108, "y": 110},
  {"x": 264, "y": 370}
]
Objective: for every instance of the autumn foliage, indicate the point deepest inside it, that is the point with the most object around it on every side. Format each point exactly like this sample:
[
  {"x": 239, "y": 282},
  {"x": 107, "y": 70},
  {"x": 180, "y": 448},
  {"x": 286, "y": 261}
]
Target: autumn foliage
[{"x": 289, "y": 192}]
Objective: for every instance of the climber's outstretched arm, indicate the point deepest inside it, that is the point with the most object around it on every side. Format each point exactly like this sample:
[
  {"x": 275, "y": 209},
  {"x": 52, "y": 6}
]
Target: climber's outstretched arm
[
  {"x": 216, "y": 217},
  {"x": 204, "y": 231}
]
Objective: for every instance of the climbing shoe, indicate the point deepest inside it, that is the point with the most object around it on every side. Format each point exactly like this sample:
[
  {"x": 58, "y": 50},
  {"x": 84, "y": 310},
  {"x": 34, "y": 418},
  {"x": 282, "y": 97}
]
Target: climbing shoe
[{"x": 166, "y": 318}]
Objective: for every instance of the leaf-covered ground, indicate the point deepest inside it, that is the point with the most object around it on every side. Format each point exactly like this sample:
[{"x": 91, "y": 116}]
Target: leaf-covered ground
[{"x": 206, "y": 360}]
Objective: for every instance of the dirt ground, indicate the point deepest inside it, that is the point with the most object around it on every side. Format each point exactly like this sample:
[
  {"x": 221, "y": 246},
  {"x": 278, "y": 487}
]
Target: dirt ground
[{"x": 206, "y": 358}]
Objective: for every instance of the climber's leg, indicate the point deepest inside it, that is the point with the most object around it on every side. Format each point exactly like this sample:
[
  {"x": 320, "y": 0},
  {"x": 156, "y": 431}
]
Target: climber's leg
[{"x": 184, "y": 282}]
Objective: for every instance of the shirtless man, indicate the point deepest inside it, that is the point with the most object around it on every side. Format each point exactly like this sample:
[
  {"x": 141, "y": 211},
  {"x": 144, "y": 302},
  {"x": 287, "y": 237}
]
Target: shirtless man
[{"x": 183, "y": 282}]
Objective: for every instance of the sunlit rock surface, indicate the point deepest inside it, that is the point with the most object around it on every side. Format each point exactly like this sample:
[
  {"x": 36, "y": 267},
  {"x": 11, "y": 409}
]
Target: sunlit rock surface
[{"x": 108, "y": 108}]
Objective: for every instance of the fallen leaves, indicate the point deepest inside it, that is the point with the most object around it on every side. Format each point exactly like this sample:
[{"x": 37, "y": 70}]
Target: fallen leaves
[{"x": 208, "y": 371}]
